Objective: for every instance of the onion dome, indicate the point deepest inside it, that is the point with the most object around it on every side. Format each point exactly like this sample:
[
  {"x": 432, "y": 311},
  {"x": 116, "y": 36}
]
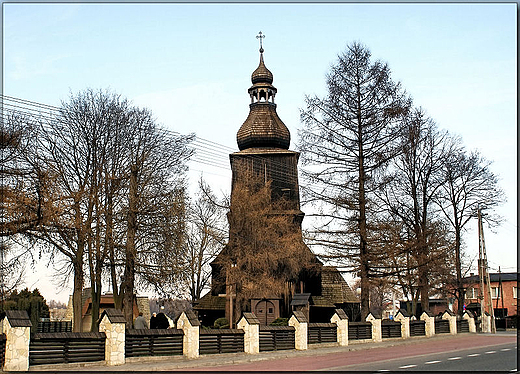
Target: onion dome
[
  {"x": 263, "y": 128},
  {"x": 262, "y": 74}
]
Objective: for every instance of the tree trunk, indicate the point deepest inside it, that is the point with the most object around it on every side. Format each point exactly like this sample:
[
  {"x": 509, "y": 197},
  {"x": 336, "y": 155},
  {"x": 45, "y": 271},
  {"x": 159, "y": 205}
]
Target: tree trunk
[
  {"x": 363, "y": 250},
  {"x": 77, "y": 301},
  {"x": 77, "y": 304},
  {"x": 424, "y": 288},
  {"x": 96, "y": 299},
  {"x": 129, "y": 275},
  {"x": 458, "y": 268},
  {"x": 96, "y": 282}
]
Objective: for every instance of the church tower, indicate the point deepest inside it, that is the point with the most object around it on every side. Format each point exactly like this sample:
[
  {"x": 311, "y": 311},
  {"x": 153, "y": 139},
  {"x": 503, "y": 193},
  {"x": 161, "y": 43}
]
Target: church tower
[{"x": 263, "y": 142}]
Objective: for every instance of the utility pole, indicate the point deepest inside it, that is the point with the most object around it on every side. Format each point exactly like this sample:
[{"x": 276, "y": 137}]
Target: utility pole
[
  {"x": 485, "y": 283},
  {"x": 500, "y": 294}
]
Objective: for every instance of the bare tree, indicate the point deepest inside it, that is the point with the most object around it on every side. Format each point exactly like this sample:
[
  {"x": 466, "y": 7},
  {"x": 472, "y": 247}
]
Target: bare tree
[
  {"x": 205, "y": 237},
  {"x": 469, "y": 184},
  {"x": 409, "y": 196},
  {"x": 156, "y": 162},
  {"x": 346, "y": 141},
  {"x": 103, "y": 175},
  {"x": 160, "y": 257}
]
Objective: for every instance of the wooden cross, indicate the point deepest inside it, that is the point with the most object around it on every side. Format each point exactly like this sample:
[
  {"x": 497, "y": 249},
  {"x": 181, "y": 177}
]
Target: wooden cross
[{"x": 260, "y": 36}]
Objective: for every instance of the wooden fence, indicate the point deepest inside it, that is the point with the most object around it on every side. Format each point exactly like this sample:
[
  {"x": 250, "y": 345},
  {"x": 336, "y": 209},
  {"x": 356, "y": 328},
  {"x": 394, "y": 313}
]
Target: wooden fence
[
  {"x": 417, "y": 328},
  {"x": 66, "y": 347},
  {"x": 276, "y": 338},
  {"x": 153, "y": 342},
  {"x": 442, "y": 326},
  {"x": 322, "y": 333},
  {"x": 359, "y": 330},
  {"x": 462, "y": 325},
  {"x": 55, "y": 326},
  {"x": 3, "y": 340},
  {"x": 212, "y": 341},
  {"x": 390, "y": 329}
]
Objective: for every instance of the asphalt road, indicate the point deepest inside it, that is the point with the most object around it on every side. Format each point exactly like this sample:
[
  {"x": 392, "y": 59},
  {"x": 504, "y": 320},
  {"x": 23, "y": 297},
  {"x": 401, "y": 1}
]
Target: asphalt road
[
  {"x": 501, "y": 357},
  {"x": 467, "y": 352}
]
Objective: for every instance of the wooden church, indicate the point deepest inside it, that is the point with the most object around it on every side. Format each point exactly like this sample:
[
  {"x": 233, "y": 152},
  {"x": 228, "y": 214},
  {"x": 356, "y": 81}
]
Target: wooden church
[{"x": 263, "y": 143}]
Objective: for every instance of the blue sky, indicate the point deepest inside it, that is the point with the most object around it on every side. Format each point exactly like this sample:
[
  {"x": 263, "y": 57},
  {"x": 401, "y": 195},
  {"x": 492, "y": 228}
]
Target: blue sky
[{"x": 191, "y": 65}]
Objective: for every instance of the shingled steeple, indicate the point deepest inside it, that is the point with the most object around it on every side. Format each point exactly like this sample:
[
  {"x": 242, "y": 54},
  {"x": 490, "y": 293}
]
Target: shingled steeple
[
  {"x": 263, "y": 128},
  {"x": 264, "y": 155}
]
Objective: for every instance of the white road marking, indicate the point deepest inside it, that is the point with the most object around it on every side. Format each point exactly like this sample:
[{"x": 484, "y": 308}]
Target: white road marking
[
  {"x": 407, "y": 366},
  {"x": 474, "y": 355},
  {"x": 454, "y": 358},
  {"x": 489, "y": 352},
  {"x": 382, "y": 370},
  {"x": 505, "y": 349},
  {"x": 431, "y": 362}
]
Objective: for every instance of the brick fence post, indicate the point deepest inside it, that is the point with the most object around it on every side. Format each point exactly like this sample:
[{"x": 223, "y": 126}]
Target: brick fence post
[
  {"x": 112, "y": 322},
  {"x": 299, "y": 322},
  {"x": 452, "y": 318},
  {"x": 341, "y": 320},
  {"x": 403, "y": 317},
  {"x": 471, "y": 320},
  {"x": 377, "y": 333},
  {"x": 251, "y": 326},
  {"x": 429, "y": 326},
  {"x": 190, "y": 325},
  {"x": 16, "y": 326}
]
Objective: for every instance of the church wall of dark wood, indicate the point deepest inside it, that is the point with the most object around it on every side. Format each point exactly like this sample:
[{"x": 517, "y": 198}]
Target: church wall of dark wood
[{"x": 280, "y": 169}]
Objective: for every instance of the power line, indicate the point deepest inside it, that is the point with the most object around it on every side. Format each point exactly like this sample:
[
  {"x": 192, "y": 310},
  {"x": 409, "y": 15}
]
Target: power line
[{"x": 207, "y": 152}]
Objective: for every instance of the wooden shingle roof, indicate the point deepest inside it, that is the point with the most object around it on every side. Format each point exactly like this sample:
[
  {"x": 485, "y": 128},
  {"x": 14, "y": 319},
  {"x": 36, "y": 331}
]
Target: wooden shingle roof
[
  {"x": 341, "y": 313},
  {"x": 300, "y": 316},
  {"x": 322, "y": 301},
  {"x": 300, "y": 299},
  {"x": 251, "y": 318},
  {"x": 114, "y": 315},
  {"x": 335, "y": 288},
  {"x": 18, "y": 318},
  {"x": 210, "y": 302},
  {"x": 192, "y": 317}
]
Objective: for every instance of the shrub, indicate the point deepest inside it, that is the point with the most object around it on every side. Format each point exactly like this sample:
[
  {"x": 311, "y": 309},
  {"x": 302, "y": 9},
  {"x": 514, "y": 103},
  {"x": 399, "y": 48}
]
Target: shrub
[
  {"x": 280, "y": 322},
  {"x": 221, "y": 323}
]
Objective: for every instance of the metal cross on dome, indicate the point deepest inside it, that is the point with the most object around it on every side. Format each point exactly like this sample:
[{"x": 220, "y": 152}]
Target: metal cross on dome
[{"x": 260, "y": 36}]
